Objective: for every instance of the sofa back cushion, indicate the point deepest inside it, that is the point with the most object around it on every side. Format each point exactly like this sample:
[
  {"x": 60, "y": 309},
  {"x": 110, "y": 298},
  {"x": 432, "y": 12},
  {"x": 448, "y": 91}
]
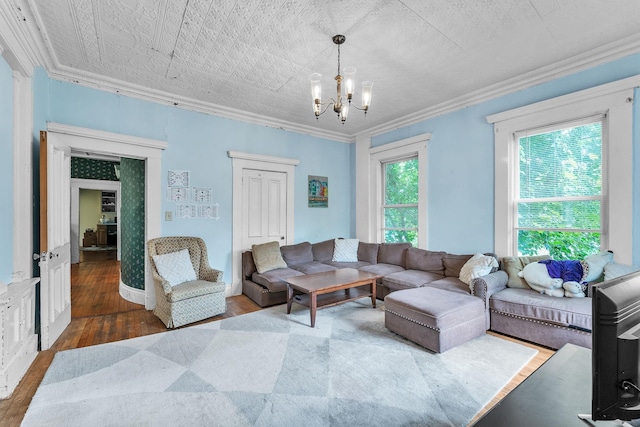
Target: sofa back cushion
[
  {"x": 421, "y": 259},
  {"x": 514, "y": 265},
  {"x": 297, "y": 254},
  {"x": 368, "y": 252},
  {"x": 323, "y": 251},
  {"x": 453, "y": 264},
  {"x": 248, "y": 265},
  {"x": 393, "y": 253}
]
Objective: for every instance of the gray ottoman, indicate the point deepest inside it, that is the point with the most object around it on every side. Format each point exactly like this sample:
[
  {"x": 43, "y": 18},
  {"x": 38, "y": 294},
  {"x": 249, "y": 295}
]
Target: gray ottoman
[{"x": 434, "y": 318}]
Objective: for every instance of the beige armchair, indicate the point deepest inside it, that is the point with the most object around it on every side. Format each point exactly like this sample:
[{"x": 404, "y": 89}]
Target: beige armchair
[{"x": 193, "y": 300}]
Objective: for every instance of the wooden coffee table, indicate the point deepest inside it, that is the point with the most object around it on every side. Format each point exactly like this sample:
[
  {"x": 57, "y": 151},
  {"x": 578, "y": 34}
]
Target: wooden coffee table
[{"x": 323, "y": 289}]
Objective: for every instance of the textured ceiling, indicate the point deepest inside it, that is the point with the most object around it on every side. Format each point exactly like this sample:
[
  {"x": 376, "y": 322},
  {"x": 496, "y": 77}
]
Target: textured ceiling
[{"x": 252, "y": 58}]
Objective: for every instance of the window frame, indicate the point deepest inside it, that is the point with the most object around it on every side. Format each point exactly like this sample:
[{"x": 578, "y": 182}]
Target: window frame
[
  {"x": 403, "y": 149},
  {"x": 615, "y": 100}
]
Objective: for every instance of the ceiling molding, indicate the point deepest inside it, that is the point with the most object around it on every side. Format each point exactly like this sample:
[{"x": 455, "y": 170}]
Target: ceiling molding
[
  {"x": 593, "y": 58},
  {"x": 31, "y": 43},
  {"x": 140, "y": 92}
]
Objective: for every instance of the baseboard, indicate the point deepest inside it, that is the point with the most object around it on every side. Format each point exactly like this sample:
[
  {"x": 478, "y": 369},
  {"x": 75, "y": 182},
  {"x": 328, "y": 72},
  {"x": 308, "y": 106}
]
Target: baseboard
[{"x": 133, "y": 295}]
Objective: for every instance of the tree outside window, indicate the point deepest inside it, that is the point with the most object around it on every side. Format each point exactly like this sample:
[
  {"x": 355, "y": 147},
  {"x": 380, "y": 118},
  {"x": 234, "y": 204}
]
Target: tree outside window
[
  {"x": 560, "y": 195},
  {"x": 400, "y": 207}
]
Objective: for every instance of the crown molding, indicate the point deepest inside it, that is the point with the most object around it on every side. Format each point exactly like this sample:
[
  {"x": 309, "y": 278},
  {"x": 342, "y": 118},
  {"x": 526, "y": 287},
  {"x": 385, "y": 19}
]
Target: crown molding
[
  {"x": 16, "y": 37},
  {"x": 575, "y": 64},
  {"x": 91, "y": 80},
  {"x": 30, "y": 44}
]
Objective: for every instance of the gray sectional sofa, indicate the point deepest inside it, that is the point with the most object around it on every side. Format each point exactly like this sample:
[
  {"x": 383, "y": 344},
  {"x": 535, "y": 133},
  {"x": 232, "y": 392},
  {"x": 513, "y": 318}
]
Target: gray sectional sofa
[
  {"x": 401, "y": 265},
  {"x": 510, "y": 306}
]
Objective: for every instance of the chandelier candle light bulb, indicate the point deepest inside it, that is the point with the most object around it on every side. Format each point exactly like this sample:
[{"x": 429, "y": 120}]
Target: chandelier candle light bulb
[{"x": 342, "y": 102}]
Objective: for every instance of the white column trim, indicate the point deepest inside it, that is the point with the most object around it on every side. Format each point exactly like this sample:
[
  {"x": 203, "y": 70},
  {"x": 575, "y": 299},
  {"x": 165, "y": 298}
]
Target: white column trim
[{"x": 22, "y": 178}]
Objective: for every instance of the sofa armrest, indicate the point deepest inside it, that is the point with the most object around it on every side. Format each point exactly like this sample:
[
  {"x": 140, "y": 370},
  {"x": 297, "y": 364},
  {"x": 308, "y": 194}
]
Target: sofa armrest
[{"x": 485, "y": 286}]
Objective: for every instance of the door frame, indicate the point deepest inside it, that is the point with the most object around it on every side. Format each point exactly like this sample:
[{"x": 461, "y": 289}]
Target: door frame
[
  {"x": 243, "y": 161},
  {"x": 120, "y": 145}
]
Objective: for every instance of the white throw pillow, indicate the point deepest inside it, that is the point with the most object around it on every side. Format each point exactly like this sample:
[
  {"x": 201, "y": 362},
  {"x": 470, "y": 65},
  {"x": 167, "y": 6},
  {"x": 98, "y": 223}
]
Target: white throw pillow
[
  {"x": 478, "y": 265},
  {"x": 175, "y": 267},
  {"x": 613, "y": 270},
  {"x": 345, "y": 250}
]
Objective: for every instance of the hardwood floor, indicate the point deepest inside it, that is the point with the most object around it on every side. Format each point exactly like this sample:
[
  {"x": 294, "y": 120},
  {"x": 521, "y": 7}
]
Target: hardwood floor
[{"x": 100, "y": 315}]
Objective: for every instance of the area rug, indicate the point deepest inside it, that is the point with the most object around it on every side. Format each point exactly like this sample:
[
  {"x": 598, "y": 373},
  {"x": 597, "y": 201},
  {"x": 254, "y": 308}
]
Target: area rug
[{"x": 268, "y": 368}]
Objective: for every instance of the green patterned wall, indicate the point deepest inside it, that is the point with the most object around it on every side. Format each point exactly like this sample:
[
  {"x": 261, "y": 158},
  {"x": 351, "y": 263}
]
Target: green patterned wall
[
  {"x": 84, "y": 168},
  {"x": 132, "y": 218}
]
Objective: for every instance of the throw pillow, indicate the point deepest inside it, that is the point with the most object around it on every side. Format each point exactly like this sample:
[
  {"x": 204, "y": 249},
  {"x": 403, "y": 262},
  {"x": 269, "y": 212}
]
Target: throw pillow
[
  {"x": 613, "y": 270},
  {"x": 175, "y": 267},
  {"x": 345, "y": 250},
  {"x": 478, "y": 265},
  {"x": 267, "y": 257},
  {"x": 514, "y": 265}
]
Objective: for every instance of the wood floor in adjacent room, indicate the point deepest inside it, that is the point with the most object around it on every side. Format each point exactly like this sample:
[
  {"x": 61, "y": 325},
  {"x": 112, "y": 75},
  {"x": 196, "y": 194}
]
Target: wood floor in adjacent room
[{"x": 99, "y": 315}]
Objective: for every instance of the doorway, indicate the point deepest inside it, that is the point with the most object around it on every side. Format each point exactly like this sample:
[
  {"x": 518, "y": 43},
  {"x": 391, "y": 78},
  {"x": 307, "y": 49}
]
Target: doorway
[{"x": 86, "y": 215}]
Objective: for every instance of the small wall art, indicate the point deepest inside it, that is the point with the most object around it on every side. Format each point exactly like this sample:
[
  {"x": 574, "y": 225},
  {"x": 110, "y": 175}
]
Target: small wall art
[{"x": 318, "y": 191}]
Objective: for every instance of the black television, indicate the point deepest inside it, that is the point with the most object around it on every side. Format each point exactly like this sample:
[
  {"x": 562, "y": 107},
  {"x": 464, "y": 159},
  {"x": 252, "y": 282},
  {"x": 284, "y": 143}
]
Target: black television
[{"x": 616, "y": 349}]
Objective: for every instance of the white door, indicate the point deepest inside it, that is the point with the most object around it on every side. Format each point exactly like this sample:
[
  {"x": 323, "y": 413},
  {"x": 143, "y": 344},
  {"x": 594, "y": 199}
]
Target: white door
[
  {"x": 264, "y": 207},
  {"x": 55, "y": 236}
]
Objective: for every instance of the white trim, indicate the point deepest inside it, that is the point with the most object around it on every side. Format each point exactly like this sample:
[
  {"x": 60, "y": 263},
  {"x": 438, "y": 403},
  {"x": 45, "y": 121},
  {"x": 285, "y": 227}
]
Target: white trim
[
  {"x": 584, "y": 61},
  {"x": 121, "y": 145},
  {"x": 243, "y": 161},
  {"x": 88, "y": 184},
  {"x": 22, "y": 178},
  {"x": 137, "y": 296},
  {"x": 416, "y": 145},
  {"x": 614, "y": 99}
]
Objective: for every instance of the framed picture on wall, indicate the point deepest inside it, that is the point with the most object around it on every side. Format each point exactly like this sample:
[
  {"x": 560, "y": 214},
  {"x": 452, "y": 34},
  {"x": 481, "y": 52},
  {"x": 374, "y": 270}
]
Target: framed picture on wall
[{"x": 318, "y": 191}]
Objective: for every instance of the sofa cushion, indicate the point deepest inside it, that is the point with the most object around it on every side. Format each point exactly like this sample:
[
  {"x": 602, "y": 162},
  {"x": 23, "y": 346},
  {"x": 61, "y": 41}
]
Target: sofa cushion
[
  {"x": 382, "y": 269},
  {"x": 409, "y": 279},
  {"x": 453, "y": 264},
  {"x": 345, "y": 250},
  {"x": 514, "y": 265},
  {"x": 313, "y": 267},
  {"x": 267, "y": 257},
  {"x": 393, "y": 253},
  {"x": 452, "y": 284},
  {"x": 421, "y": 259},
  {"x": 534, "y": 305},
  {"x": 273, "y": 279},
  {"x": 323, "y": 251},
  {"x": 297, "y": 254},
  {"x": 357, "y": 265},
  {"x": 368, "y": 252}
]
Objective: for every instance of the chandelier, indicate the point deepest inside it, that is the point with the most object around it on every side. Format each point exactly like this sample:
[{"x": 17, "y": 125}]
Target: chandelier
[{"x": 342, "y": 102}]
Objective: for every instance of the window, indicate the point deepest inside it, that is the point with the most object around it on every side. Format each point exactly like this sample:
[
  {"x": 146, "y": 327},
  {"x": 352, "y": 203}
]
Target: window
[
  {"x": 559, "y": 199},
  {"x": 397, "y": 198},
  {"x": 611, "y": 105},
  {"x": 400, "y": 201}
]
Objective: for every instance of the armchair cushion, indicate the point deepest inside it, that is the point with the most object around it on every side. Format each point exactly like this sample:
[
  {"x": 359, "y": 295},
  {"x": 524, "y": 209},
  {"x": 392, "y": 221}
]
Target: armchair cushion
[{"x": 175, "y": 267}]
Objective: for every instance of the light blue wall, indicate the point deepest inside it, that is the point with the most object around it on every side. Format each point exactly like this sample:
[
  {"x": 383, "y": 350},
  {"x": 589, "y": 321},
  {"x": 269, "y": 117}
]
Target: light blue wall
[
  {"x": 199, "y": 143},
  {"x": 461, "y": 160},
  {"x": 6, "y": 172}
]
